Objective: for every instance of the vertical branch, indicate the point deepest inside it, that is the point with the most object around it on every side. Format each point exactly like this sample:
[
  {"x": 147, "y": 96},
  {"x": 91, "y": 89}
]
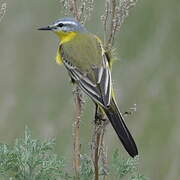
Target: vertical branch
[
  {"x": 104, "y": 152},
  {"x": 115, "y": 13},
  {"x": 74, "y": 9},
  {"x": 78, "y": 109},
  {"x": 97, "y": 146},
  {"x": 76, "y": 131},
  {"x": 81, "y": 10},
  {"x": 104, "y": 18},
  {"x": 112, "y": 24},
  {"x": 96, "y": 151}
]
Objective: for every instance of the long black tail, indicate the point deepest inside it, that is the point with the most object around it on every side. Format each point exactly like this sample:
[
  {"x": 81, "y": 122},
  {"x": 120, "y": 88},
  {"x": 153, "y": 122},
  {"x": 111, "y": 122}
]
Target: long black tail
[{"x": 121, "y": 129}]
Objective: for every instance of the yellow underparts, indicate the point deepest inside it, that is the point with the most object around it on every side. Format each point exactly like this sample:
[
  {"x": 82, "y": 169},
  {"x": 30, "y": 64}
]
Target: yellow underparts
[
  {"x": 64, "y": 38},
  {"x": 58, "y": 57}
]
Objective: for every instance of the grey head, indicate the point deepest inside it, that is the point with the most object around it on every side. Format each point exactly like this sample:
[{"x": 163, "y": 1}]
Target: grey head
[{"x": 65, "y": 25}]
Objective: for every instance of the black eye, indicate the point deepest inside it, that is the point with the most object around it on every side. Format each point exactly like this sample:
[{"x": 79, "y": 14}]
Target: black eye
[{"x": 60, "y": 25}]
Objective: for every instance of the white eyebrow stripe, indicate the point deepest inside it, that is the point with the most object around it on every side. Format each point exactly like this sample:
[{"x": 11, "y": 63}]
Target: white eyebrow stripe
[
  {"x": 69, "y": 22},
  {"x": 66, "y": 22}
]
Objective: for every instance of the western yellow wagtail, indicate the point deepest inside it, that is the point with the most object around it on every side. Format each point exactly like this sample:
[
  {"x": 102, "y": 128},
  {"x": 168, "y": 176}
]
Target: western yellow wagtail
[{"x": 83, "y": 56}]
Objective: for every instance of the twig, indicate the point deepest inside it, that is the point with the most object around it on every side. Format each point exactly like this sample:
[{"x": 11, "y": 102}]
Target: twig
[
  {"x": 104, "y": 152},
  {"x": 78, "y": 109},
  {"x": 81, "y": 13},
  {"x": 81, "y": 10},
  {"x": 115, "y": 13},
  {"x": 96, "y": 154},
  {"x": 97, "y": 146},
  {"x": 130, "y": 111},
  {"x": 76, "y": 131},
  {"x": 3, "y": 7},
  {"x": 112, "y": 23},
  {"x": 105, "y": 20},
  {"x": 74, "y": 9}
]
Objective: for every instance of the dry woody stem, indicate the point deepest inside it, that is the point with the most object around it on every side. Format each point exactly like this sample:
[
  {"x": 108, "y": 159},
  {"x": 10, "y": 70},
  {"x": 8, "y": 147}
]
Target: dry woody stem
[
  {"x": 98, "y": 151},
  {"x": 115, "y": 13},
  {"x": 76, "y": 133},
  {"x": 81, "y": 10}
]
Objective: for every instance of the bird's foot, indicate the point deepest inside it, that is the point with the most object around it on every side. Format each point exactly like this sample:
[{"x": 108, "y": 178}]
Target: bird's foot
[{"x": 99, "y": 119}]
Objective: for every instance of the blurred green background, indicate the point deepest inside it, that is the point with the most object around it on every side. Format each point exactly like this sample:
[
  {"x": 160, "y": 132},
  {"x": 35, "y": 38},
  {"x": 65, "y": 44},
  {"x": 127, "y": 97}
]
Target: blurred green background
[{"x": 35, "y": 91}]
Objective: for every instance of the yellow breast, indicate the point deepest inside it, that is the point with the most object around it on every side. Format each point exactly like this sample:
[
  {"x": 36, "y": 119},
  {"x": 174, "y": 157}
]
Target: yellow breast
[
  {"x": 64, "y": 38},
  {"x": 58, "y": 57}
]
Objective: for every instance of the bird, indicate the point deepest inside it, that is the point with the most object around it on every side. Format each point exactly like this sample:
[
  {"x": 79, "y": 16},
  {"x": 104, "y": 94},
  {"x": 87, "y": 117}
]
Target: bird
[{"x": 89, "y": 66}]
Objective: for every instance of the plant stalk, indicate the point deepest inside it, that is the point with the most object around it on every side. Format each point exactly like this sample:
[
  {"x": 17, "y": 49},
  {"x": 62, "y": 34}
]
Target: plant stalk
[
  {"x": 98, "y": 146},
  {"x": 76, "y": 132}
]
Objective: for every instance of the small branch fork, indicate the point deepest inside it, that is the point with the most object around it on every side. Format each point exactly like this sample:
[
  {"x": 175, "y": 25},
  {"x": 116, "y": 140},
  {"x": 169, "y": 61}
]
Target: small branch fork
[
  {"x": 130, "y": 111},
  {"x": 80, "y": 9},
  {"x": 115, "y": 13}
]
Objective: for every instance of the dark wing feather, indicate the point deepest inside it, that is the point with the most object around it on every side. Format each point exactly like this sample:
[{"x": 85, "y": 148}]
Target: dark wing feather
[{"x": 99, "y": 90}]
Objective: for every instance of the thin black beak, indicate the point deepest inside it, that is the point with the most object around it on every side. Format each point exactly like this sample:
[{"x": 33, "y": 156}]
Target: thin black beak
[{"x": 47, "y": 28}]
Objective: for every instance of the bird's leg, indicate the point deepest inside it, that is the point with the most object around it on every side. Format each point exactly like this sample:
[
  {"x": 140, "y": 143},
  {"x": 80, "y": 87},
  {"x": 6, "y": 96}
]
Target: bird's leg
[{"x": 99, "y": 117}]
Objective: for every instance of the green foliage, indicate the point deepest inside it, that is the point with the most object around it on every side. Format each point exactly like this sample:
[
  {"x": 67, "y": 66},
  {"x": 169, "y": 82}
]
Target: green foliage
[
  {"x": 32, "y": 159},
  {"x": 139, "y": 177},
  {"x": 86, "y": 170},
  {"x": 121, "y": 167}
]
